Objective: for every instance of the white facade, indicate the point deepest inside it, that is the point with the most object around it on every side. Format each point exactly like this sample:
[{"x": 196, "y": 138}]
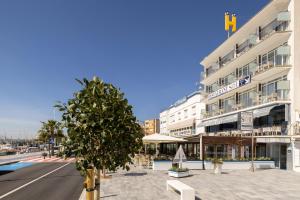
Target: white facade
[
  {"x": 258, "y": 69},
  {"x": 183, "y": 117}
]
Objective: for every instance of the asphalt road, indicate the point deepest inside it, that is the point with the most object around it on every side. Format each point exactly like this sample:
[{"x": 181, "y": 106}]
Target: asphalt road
[{"x": 63, "y": 184}]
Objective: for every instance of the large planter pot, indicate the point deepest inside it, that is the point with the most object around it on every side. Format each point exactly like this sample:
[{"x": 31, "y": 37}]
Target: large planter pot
[
  {"x": 218, "y": 168},
  {"x": 178, "y": 174}
]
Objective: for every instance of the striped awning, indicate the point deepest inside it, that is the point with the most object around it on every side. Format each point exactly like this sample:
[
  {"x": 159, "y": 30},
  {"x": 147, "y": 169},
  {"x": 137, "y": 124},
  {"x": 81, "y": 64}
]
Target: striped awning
[
  {"x": 221, "y": 120},
  {"x": 262, "y": 111}
]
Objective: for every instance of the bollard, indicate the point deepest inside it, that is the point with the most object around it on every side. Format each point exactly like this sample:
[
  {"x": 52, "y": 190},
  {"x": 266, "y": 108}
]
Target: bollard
[{"x": 90, "y": 184}]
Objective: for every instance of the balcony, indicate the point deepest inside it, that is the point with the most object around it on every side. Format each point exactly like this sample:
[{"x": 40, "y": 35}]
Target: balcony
[
  {"x": 278, "y": 96},
  {"x": 263, "y": 131},
  {"x": 246, "y": 52},
  {"x": 260, "y": 72}
]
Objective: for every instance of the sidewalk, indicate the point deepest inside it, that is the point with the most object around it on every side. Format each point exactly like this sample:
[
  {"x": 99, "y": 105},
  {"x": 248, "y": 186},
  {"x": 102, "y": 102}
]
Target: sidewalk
[{"x": 18, "y": 157}]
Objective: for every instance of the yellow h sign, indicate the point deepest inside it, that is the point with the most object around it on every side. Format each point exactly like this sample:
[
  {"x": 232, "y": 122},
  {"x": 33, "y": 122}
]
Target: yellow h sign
[{"x": 229, "y": 23}]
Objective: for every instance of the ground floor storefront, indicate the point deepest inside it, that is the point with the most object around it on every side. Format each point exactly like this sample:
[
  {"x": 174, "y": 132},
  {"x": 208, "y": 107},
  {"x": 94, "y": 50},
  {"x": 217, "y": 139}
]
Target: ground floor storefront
[{"x": 227, "y": 148}]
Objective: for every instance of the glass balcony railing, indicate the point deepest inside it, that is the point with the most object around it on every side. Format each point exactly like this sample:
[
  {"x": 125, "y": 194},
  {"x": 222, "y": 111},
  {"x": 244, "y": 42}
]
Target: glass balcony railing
[
  {"x": 227, "y": 58},
  {"x": 274, "y": 26},
  {"x": 279, "y": 95}
]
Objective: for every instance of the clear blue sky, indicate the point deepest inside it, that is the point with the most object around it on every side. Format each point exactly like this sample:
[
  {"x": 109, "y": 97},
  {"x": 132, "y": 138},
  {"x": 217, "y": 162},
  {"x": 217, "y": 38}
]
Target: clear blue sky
[{"x": 149, "y": 48}]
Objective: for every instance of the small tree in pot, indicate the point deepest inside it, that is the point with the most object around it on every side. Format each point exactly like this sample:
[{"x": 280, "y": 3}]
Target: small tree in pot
[{"x": 103, "y": 132}]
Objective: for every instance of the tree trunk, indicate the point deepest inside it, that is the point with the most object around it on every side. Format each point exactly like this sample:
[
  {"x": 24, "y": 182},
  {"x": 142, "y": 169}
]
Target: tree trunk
[
  {"x": 97, "y": 184},
  {"x": 52, "y": 145},
  {"x": 49, "y": 150}
]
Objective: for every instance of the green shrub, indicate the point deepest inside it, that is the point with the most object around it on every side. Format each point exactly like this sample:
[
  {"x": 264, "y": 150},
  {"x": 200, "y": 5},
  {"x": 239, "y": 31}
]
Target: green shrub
[
  {"x": 217, "y": 161},
  {"x": 176, "y": 169}
]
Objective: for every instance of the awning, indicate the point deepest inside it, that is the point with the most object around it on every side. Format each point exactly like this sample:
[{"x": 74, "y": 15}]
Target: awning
[
  {"x": 182, "y": 124},
  {"x": 262, "y": 111},
  {"x": 221, "y": 120},
  {"x": 159, "y": 138}
]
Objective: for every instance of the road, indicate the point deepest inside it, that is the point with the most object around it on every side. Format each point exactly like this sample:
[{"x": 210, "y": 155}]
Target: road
[{"x": 64, "y": 183}]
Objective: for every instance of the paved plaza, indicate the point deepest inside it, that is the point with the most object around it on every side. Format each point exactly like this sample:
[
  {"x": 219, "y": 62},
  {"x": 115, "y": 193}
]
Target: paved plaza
[{"x": 144, "y": 184}]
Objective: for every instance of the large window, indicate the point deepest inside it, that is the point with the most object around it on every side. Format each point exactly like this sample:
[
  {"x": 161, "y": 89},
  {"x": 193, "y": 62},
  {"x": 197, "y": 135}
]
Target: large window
[
  {"x": 228, "y": 104},
  {"x": 247, "y": 99},
  {"x": 248, "y": 69},
  {"x": 270, "y": 90},
  {"x": 275, "y": 57}
]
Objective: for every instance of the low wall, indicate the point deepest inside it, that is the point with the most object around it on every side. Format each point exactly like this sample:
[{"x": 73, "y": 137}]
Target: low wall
[{"x": 230, "y": 165}]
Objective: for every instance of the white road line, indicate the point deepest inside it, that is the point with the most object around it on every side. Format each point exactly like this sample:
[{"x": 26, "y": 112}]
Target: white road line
[{"x": 5, "y": 195}]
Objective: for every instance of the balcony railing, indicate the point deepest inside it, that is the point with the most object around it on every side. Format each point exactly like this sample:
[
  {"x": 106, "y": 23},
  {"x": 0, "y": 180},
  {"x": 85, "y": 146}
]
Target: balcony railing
[
  {"x": 274, "y": 26},
  {"x": 227, "y": 58},
  {"x": 280, "y": 95},
  {"x": 262, "y": 131}
]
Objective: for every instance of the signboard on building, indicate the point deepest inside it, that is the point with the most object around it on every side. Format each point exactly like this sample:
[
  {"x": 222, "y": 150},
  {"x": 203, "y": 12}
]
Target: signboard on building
[
  {"x": 247, "y": 121},
  {"x": 239, "y": 83}
]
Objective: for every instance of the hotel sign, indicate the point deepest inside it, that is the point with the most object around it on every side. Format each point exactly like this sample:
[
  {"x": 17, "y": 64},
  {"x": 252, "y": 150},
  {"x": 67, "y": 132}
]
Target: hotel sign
[
  {"x": 246, "y": 121},
  {"x": 239, "y": 83}
]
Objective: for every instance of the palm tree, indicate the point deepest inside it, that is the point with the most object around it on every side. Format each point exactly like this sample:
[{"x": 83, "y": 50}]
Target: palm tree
[{"x": 51, "y": 130}]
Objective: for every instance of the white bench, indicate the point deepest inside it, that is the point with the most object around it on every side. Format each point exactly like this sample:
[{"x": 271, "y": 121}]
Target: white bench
[{"x": 187, "y": 192}]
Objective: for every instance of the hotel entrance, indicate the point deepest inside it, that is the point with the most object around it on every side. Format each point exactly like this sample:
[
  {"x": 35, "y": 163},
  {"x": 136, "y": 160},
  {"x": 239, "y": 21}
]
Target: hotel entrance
[{"x": 275, "y": 151}]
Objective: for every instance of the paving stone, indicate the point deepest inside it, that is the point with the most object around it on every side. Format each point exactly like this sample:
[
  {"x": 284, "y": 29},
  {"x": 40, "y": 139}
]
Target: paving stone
[{"x": 146, "y": 184}]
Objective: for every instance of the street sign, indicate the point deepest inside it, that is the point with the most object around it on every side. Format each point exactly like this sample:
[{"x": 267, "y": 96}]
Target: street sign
[
  {"x": 51, "y": 141},
  {"x": 247, "y": 121}
]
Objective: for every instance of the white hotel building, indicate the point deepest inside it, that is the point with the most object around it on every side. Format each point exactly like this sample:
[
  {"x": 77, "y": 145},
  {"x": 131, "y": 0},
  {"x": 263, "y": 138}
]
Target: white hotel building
[
  {"x": 183, "y": 117},
  {"x": 258, "y": 69}
]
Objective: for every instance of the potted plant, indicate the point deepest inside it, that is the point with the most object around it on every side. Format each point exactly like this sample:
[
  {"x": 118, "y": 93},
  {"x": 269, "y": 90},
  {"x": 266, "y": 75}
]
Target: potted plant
[
  {"x": 178, "y": 172},
  {"x": 217, "y": 162},
  {"x": 44, "y": 154}
]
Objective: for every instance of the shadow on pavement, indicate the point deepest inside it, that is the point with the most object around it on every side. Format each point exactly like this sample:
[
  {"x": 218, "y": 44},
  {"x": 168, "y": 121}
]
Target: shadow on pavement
[
  {"x": 136, "y": 174},
  {"x": 111, "y": 195}
]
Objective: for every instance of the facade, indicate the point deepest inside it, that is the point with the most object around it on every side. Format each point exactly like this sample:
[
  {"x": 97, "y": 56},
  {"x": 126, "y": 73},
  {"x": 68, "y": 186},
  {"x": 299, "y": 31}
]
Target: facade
[
  {"x": 257, "y": 69},
  {"x": 183, "y": 117},
  {"x": 151, "y": 126}
]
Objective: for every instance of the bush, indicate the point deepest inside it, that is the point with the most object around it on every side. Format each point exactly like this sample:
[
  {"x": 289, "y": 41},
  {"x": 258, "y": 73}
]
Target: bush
[
  {"x": 44, "y": 154},
  {"x": 217, "y": 161},
  {"x": 176, "y": 169}
]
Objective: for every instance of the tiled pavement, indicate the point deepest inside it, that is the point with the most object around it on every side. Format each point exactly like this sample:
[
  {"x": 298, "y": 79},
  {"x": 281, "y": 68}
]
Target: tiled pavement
[{"x": 143, "y": 184}]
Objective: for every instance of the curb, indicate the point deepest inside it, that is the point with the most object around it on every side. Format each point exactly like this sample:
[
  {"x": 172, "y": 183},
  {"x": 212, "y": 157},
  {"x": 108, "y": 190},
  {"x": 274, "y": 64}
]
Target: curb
[{"x": 83, "y": 194}]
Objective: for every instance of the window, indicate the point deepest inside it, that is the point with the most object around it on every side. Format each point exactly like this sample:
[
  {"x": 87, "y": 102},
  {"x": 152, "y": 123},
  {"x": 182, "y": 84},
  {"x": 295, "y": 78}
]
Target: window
[
  {"x": 185, "y": 113},
  {"x": 194, "y": 110},
  {"x": 228, "y": 104},
  {"x": 247, "y": 99},
  {"x": 179, "y": 115},
  {"x": 270, "y": 89},
  {"x": 248, "y": 69}
]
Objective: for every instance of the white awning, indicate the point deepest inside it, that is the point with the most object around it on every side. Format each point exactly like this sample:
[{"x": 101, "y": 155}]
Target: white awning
[
  {"x": 273, "y": 140},
  {"x": 221, "y": 120},
  {"x": 159, "y": 138},
  {"x": 262, "y": 111},
  {"x": 182, "y": 124}
]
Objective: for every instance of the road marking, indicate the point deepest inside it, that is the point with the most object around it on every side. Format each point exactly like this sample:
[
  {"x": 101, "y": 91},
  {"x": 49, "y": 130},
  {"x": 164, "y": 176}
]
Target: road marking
[{"x": 5, "y": 195}]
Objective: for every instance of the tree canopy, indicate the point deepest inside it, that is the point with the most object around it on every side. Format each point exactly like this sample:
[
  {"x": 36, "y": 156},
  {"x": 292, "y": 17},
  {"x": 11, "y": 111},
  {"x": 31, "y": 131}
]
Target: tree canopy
[
  {"x": 102, "y": 130},
  {"x": 50, "y": 130}
]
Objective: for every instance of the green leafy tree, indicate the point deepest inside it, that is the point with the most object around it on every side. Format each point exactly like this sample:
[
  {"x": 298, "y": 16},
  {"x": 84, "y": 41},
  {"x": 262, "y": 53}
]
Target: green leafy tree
[
  {"x": 102, "y": 130},
  {"x": 51, "y": 130}
]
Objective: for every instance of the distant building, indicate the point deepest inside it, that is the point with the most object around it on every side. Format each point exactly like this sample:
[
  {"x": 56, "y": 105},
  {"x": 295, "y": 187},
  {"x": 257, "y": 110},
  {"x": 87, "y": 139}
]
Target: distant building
[
  {"x": 151, "y": 126},
  {"x": 183, "y": 117}
]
